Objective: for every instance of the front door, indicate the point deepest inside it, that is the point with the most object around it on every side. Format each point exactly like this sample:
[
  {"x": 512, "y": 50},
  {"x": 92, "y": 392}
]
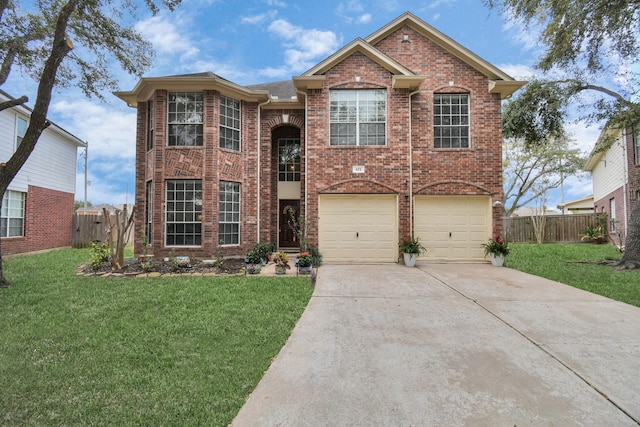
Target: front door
[{"x": 286, "y": 236}]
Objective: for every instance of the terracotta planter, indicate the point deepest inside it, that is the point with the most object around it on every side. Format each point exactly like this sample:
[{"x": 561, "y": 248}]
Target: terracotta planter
[{"x": 410, "y": 259}]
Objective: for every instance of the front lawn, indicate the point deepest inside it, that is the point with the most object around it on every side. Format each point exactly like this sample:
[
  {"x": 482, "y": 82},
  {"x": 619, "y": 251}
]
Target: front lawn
[
  {"x": 556, "y": 261},
  {"x": 105, "y": 351}
]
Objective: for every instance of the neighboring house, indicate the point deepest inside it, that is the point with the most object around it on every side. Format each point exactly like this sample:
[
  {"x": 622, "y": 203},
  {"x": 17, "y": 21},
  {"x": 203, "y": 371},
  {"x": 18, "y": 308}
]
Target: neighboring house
[
  {"x": 37, "y": 208},
  {"x": 95, "y": 210},
  {"x": 534, "y": 211},
  {"x": 396, "y": 133},
  {"x": 578, "y": 206},
  {"x": 614, "y": 164}
]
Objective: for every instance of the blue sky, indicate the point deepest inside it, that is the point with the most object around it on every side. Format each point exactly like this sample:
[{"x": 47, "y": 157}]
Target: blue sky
[{"x": 260, "y": 41}]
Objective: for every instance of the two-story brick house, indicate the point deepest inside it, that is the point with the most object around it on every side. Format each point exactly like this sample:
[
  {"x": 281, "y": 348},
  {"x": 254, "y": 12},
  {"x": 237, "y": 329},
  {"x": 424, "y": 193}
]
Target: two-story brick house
[{"x": 394, "y": 134}]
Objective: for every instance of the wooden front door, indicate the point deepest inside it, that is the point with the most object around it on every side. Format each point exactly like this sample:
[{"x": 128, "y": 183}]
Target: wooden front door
[{"x": 286, "y": 236}]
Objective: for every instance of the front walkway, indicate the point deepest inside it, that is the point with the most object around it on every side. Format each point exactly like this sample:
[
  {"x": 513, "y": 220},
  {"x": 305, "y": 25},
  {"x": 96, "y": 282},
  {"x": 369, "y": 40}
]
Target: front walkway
[{"x": 452, "y": 344}]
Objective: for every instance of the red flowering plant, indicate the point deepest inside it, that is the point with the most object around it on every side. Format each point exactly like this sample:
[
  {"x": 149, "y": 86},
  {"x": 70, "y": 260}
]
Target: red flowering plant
[
  {"x": 496, "y": 246},
  {"x": 304, "y": 259},
  {"x": 412, "y": 245}
]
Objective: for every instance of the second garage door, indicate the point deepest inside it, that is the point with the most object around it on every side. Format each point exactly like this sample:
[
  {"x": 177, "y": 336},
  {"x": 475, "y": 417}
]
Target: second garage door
[
  {"x": 358, "y": 228},
  {"x": 453, "y": 228}
]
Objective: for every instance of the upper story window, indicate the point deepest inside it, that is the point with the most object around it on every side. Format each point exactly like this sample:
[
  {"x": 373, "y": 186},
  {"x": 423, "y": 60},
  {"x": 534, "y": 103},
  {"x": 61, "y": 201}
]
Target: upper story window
[
  {"x": 451, "y": 120},
  {"x": 288, "y": 159},
  {"x": 21, "y": 130},
  {"x": 229, "y": 123},
  {"x": 185, "y": 118},
  {"x": 151, "y": 110},
  {"x": 12, "y": 219},
  {"x": 358, "y": 117}
]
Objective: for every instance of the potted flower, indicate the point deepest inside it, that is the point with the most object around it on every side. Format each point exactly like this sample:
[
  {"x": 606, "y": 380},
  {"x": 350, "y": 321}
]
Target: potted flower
[
  {"x": 496, "y": 248},
  {"x": 281, "y": 260},
  {"x": 411, "y": 248},
  {"x": 305, "y": 263},
  {"x": 593, "y": 234},
  {"x": 253, "y": 262}
]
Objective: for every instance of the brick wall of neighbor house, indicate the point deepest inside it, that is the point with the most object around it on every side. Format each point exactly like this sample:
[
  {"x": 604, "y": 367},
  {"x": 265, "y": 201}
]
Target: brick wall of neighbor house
[
  {"x": 633, "y": 166},
  {"x": 603, "y": 205},
  {"x": 209, "y": 163},
  {"x": 47, "y": 225}
]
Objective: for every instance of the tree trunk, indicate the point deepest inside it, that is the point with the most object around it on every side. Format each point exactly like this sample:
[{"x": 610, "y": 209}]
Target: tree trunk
[
  {"x": 4, "y": 283},
  {"x": 631, "y": 257}
]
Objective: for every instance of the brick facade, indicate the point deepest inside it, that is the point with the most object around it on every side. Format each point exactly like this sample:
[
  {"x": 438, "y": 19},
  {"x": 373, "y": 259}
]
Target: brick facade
[
  {"x": 47, "y": 222},
  {"x": 406, "y": 166}
]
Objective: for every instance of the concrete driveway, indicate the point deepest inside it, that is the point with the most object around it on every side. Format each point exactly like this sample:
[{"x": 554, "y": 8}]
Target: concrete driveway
[{"x": 452, "y": 345}]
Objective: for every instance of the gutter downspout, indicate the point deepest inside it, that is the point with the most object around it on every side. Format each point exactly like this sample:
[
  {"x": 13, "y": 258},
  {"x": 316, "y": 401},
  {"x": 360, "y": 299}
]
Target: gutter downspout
[
  {"x": 259, "y": 165},
  {"x": 306, "y": 152},
  {"x": 411, "y": 161}
]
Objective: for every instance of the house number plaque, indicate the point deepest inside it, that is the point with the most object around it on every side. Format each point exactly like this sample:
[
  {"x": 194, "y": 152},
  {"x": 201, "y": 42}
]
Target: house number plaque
[{"x": 358, "y": 169}]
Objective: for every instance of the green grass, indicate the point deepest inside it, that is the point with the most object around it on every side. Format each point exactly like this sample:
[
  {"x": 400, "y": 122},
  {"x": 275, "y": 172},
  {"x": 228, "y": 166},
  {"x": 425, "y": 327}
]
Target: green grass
[
  {"x": 99, "y": 351},
  {"x": 556, "y": 262}
]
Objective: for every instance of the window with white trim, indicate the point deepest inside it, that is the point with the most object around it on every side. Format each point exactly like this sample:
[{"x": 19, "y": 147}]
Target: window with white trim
[
  {"x": 21, "y": 130},
  {"x": 148, "y": 211},
  {"x": 185, "y": 119},
  {"x": 229, "y": 123},
  {"x": 358, "y": 117},
  {"x": 229, "y": 213},
  {"x": 612, "y": 214},
  {"x": 288, "y": 159},
  {"x": 184, "y": 212},
  {"x": 451, "y": 120},
  {"x": 12, "y": 218},
  {"x": 636, "y": 142},
  {"x": 151, "y": 115}
]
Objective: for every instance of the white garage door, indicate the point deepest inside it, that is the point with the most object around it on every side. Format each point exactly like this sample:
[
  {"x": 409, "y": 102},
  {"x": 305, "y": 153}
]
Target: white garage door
[
  {"x": 453, "y": 228},
  {"x": 358, "y": 228}
]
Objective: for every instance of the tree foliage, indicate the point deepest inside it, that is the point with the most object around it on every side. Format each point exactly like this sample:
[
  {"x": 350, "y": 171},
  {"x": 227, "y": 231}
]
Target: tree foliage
[
  {"x": 62, "y": 43},
  {"x": 531, "y": 170}
]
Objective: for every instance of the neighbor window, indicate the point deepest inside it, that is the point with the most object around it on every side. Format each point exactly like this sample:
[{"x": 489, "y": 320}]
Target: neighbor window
[
  {"x": 21, "y": 130},
  {"x": 288, "y": 159},
  {"x": 148, "y": 211},
  {"x": 184, "y": 213},
  {"x": 636, "y": 142},
  {"x": 451, "y": 120},
  {"x": 358, "y": 117},
  {"x": 229, "y": 123},
  {"x": 151, "y": 109},
  {"x": 12, "y": 222},
  {"x": 612, "y": 214},
  {"x": 229, "y": 213},
  {"x": 185, "y": 118}
]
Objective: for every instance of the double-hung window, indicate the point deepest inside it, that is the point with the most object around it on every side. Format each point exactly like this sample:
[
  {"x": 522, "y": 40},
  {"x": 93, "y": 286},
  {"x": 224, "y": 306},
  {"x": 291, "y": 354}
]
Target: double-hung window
[
  {"x": 184, "y": 212},
  {"x": 185, "y": 119},
  {"x": 358, "y": 117},
  {"x": 21, "y": 130},
  {"x": 12, "y": 218},
  {"x": 151, "y": 113},
  {"x": 229, "y": 123},
  {"x": 451, "y": 120},
  {"x": 229, "y": 213},
  {"x": 148, "y": 211},
  {"x": 636, "y": 142}
]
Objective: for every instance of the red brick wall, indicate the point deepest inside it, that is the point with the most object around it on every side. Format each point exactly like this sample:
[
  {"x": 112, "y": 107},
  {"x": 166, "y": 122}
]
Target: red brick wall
[{"x": 47, "y": 225}]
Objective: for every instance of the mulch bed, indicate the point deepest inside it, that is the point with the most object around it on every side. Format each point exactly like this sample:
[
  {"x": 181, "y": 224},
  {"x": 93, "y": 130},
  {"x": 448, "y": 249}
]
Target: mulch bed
[{"x": 133, "y": 267}]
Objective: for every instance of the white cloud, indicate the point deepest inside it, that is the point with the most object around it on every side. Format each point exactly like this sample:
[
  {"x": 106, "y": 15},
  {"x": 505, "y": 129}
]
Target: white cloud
[
  {"x": 167, "y": 37},
  {"x": 276, "y": 3},
  {"x": 364, "y": 19},
  {"x": 258, "y": 19},
  {"x": 350, "y": 8},
  {"x": 303, "y": 46},
  {"x": 518, "y": 71}
]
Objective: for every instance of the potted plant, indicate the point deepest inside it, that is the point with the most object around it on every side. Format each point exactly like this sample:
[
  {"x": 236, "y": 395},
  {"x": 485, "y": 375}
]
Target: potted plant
[
  {"x": 411, "y": 248},
  {"x": 305, "y": 264},
  {"x": 281, "y": 259},
  {"x": 264, "y": 249},
  {"x": 253, "y": 262},
  {"x": 496, "y": 248}
]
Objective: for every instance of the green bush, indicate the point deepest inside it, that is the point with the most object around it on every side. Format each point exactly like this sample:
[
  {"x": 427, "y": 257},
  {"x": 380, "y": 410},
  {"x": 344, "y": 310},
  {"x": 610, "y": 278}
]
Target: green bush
[{"x": 98, "y": 254}]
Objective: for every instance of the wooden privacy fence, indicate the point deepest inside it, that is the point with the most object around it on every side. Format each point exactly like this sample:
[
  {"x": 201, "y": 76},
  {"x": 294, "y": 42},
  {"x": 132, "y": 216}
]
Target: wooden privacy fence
[
  {"x": 558, "y": 228},
  {"x": 92, "y": 228}
]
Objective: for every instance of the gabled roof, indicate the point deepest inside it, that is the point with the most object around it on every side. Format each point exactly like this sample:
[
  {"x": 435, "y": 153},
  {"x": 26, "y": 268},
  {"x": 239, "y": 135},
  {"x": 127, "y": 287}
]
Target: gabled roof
[
  {"x": 499, "y": 81},
  {"x": 68, "y": 136},
  {"x": 604, "y": 142},
  {"x": 146, "y": 86}
]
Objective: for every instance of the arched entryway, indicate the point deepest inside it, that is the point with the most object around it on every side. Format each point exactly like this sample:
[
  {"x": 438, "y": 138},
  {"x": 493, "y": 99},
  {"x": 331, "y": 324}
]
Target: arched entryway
[{"x": 286, "y": 162}]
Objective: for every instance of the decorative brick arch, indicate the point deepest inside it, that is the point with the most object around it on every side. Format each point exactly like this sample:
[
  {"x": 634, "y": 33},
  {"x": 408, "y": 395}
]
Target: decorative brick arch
[
  {"x": 294, "y": 120},
  {"x": 453, "y": 187},
  {"x": 364, "y": 186}
]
